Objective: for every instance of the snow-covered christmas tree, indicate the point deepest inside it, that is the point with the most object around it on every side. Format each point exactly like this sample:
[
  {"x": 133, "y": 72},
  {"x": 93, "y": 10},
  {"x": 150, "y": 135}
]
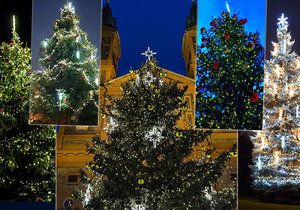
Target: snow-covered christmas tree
[{"x": 277, "y": 148}]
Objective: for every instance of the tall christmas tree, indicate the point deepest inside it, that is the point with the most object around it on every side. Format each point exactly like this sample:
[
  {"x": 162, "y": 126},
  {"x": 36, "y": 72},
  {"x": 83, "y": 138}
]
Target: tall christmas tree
[
  {"x": 277, "y": 148},
  {"x": 67, "y": 86},
  {"x": 229, "y": 75},
  {"x": 27, "y": 169},
  {"x": 146, "y": 162}
]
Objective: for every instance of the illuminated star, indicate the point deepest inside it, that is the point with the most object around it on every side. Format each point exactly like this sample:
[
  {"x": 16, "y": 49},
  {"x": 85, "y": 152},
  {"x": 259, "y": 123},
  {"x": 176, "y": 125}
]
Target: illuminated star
[
  {"x": 154, "y": 135},
  {"x": 282, "y": 20},
  {"x": 149, "y": 53}
]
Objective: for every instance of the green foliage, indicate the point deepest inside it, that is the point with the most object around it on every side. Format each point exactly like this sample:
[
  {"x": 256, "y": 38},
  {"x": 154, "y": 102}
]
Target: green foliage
[
  {"x": 14, "y": 67},
  {"x": 26, "y": 152},
  {"x": 128, "y": 168},
  {"x": 229, "y": 76},
  {"x": 69, "y": 64}
]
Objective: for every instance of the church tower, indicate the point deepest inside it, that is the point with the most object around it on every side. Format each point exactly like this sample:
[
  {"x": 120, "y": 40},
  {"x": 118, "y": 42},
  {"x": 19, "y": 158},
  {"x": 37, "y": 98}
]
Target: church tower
[
  {"x": 110, "y": 45},
  {"x": 190, "y": 41}
]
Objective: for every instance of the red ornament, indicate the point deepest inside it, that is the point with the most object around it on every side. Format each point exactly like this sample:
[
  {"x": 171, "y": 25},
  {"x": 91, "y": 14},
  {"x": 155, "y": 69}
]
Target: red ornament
[
  {"x": 216, "y": 65},
  {"x": 1, "y": 110},
  {"x": 254, "y": 97},
  {"x": 212, "y": 23},
  {"x": 204, "y": 40},
  {"x": 227, "y": 36},
  {"x": 82, "y": 78},
  {"x": 202, "y": 45},
  {"x": 243, "y": 21}
]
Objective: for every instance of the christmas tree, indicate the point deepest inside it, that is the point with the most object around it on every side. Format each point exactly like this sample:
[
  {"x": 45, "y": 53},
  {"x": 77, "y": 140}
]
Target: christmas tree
[
  {"x": 67, "y": 86},
  {"x": 147, "y": 162},
  {"x": 276, "y": 151},
  {"x": 229, "y": 75},
  {"x": 27, "y": 168}
]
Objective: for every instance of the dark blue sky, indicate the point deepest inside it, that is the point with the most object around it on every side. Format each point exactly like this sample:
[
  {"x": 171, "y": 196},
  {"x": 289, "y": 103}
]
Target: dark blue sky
[
  {"x": 159, "y": 24},
  {"x": 45, "y": 12},
  {"x": 254, "y": 11}
]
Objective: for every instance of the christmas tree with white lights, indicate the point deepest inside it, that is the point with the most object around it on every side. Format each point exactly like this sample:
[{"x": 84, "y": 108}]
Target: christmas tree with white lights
[
  {"x": 276, "y": 153},
  {"x": 65, "y": 91}
]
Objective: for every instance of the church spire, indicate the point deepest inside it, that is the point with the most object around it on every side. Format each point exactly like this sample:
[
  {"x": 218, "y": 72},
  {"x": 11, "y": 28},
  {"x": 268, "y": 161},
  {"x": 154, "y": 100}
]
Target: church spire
[
  {"x": 107, "y": 17},
  {"x": 191, "y": 20}
]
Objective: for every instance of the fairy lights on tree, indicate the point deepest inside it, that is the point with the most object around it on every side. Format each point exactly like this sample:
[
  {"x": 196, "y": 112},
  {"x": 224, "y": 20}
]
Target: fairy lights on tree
[
  {"x": 143, "y": 163},
  {"x": 277, "y": 148},
  {"x": 66, "y": 88},
  {"x": 27, "y": 166}
]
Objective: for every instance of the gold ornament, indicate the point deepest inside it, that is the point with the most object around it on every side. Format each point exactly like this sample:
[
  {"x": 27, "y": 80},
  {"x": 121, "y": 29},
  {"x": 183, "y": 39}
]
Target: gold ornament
[
  {"x": 141, "y": 182},
  {"x": 232, "y": 154},
  {"x": 179, "y": 134},
  {"x": 151, "y": 107},
  {"x": 103, "y": 116},
  {"x": 163, "y": 74},
  {"x": 157, "y": 91}
]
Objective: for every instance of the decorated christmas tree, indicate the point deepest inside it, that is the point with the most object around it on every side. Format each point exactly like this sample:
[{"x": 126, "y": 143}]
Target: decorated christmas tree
[
  {"x": 147, "y": 161},
  {"x": 27, "y": 168},
  {"x": 229, "y": 75},
  {"x": 66, "y": 88},
  {"x": 276, "y": 151}
]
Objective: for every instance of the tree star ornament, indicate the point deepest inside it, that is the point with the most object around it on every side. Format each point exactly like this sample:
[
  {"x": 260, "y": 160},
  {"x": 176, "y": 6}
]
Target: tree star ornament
[
  {"x": 282, "y": 22},
  {"x": 154, "y": 135},
  {"x": 149, "y": 54}
]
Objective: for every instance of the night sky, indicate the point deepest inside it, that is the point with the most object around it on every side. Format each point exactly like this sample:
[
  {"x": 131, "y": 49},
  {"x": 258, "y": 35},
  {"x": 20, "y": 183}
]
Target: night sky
[
  {"x": 45, "y": 12},
  {"x": 254, "y": 11},
  {"x": 159, "y": 24},
  {"x": 290, "y": 8}
]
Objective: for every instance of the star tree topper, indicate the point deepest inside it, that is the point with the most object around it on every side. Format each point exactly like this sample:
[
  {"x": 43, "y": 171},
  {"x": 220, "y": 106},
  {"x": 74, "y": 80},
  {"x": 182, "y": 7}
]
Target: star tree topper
[
  {"x": 149, "y": 54},
  {"x": 282, "y": 22}
]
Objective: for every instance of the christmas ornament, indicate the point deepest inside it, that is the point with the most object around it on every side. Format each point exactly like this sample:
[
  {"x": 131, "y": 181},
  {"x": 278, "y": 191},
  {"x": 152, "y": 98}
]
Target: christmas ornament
[
  {"x": 179, "y": 134},
  {"x": 154, "y": 135},
  {"x": 151, "y": 107},
  {"x": 226, "y": 36},
  {"x": 254, "y": 97},
  {"x": 148, "y": 79},
  {"x": 141, "y": 181},
  {"x": 216, "y": 65},
  {"x": 243, "y": 21}
]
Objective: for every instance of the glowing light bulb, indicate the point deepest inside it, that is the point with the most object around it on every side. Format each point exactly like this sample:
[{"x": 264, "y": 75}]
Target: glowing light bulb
[
  {"x": 277, "y": 157},
  {"x": 78, "y": 54},
  {"x": 275, "y": 88},
  {"x": 280, "y": 113},
  {"x": 259, "y": 163},
  {"x": 263, "y": 143},
  {"x": 283, "y": 142}
]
